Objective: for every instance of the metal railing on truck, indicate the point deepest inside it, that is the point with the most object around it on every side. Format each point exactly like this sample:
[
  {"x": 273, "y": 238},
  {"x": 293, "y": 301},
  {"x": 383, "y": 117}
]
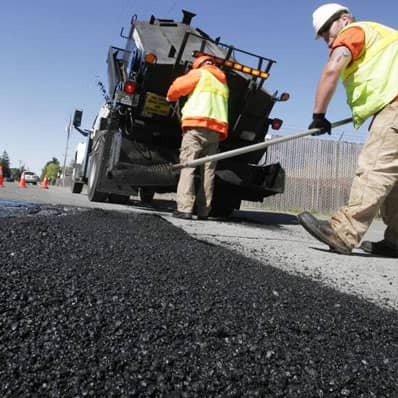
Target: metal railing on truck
[{"x": 228, "y": 60}]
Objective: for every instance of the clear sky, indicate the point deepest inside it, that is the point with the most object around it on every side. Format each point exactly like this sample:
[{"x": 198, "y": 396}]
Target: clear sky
[{"x": 53, "y": 52}]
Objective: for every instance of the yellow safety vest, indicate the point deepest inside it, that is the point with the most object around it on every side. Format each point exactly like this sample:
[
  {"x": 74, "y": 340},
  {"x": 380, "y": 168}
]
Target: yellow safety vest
[
  {"x": 209, "y": 99},
  {"x": 371, "y": 81}
]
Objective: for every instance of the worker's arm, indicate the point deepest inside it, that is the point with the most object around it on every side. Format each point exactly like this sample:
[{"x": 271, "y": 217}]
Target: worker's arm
[
  {"x": 183, "y": 85},
  {"x": 338, "y": 61}
]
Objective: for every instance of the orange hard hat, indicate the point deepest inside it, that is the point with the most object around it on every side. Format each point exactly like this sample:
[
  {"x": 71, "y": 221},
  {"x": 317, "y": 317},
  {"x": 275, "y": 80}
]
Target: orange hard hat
[{"x": 200, "y": 61}]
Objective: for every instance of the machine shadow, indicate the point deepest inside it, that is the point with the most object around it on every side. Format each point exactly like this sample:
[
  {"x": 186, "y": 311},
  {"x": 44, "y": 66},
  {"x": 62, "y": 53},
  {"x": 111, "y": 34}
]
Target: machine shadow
[{"x": 264, "y": 217}]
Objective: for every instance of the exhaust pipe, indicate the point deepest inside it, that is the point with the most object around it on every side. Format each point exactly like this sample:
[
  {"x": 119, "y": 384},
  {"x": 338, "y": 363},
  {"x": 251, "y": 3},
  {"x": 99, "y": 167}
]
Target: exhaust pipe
[{"x": 187, "y": 17}]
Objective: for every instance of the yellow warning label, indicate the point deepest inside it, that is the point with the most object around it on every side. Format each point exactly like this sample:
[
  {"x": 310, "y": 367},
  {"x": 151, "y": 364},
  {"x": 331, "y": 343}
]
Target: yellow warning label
[{"x": 156, "y": 105}]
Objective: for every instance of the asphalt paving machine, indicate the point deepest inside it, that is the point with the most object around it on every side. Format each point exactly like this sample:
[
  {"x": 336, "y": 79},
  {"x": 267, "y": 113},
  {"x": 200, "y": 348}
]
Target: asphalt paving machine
[{"x": 137, "y": 132}]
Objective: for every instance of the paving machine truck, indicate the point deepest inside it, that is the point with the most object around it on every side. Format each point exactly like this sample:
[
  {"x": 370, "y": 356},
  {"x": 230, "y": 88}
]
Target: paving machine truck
[{"x": 137, "y": 133}]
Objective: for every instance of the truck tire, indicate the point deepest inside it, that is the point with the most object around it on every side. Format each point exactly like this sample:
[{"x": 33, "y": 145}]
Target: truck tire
[
  {"x": 77, "y": 187},
  {"x": 223, "y": 205},
  {"x": 96, "y": 169},
  {"x": 119, "y": 199},
  {"x": 76, "y": 175},
  {"x": 223, "y": 211},
  {"x": 146, "y": 195}
]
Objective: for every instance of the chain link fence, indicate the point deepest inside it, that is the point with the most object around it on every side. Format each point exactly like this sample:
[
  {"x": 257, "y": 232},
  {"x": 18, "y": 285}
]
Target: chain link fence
[{"x": 318, "y": 175}]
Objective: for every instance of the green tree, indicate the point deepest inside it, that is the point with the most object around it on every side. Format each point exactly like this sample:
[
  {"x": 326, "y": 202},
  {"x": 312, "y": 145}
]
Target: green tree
[
  {"x": 5, "y": 162},
  {"x": 51, "y": 170}
]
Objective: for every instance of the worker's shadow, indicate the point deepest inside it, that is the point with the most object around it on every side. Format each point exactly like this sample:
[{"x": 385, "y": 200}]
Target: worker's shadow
[
  {"x": 354, "y": 253},
  {"x": 264, "y": 218}
]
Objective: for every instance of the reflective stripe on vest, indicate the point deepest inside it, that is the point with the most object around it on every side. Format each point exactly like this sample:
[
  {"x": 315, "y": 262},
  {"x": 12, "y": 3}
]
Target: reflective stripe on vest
[
  {"x": 209, "y": 99},
  {"x": 371, "y": 81}
]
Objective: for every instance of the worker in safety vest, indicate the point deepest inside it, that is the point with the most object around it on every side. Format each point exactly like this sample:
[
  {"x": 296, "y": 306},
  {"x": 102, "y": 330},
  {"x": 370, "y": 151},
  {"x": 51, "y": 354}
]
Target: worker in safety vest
[
  {"x": 204, "y": 123},
  {"x": 365, "y": 56}
]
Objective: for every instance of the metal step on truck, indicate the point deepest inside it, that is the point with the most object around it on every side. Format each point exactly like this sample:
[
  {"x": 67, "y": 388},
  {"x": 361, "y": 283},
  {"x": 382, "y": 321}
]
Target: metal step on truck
[{"x": 137, "y": 132}]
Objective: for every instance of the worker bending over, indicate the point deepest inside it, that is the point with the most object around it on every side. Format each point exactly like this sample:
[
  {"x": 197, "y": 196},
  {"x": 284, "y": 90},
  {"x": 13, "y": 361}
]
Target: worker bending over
[{"x": 204, "y": 124}]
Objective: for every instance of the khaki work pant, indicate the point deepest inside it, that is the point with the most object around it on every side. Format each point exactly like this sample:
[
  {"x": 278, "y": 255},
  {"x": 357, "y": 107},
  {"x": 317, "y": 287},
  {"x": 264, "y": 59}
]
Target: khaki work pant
[
  {"x": 375, "y": 185},
  {"x": 196, "y": 143}
]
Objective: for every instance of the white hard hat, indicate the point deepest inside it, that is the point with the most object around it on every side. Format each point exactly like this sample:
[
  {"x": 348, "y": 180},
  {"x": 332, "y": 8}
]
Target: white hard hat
[{"x": 324, "y": 13}]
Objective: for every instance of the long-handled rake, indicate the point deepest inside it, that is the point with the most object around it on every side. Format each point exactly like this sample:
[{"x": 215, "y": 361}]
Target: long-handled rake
[
  {"x": 251, "y": 148},
  {"x": 166, "y": 172}
]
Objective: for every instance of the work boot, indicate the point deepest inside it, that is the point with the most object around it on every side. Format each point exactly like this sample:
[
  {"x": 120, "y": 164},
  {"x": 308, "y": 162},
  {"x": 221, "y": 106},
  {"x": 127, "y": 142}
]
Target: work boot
[
  {"x": 182, "y": 215},
  {"x": 381, "y": 248},
  {"x": 323, "y": 231}
]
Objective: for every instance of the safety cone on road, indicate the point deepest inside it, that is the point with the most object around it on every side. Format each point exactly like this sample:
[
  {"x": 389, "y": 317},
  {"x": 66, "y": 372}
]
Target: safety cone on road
[
  {"x": 44, "y": 183},
  {"x": 22, "y": 182},
  {"x": 1, "y": 177}
]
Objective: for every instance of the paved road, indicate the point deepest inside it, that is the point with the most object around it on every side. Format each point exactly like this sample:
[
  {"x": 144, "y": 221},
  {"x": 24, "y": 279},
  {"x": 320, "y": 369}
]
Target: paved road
[{"x": 269, "y": 237}]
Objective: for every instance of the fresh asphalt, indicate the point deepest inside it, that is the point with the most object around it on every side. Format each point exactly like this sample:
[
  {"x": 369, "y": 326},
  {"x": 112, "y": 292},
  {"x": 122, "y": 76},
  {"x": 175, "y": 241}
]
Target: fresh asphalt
[
  {"x": 135, "y": 303},
  {"x": 268, "y": 237}
]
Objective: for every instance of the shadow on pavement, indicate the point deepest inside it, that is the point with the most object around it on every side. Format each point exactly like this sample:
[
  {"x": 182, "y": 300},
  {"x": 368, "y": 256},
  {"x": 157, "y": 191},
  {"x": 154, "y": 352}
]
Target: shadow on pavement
[
  {"x": 265, "y": 217},
  {"x": 353, "y": 254},
  {"x": 239, "y": 216}
]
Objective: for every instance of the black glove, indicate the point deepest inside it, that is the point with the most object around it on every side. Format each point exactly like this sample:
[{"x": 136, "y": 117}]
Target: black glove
[{"x": 319, "y": 121}]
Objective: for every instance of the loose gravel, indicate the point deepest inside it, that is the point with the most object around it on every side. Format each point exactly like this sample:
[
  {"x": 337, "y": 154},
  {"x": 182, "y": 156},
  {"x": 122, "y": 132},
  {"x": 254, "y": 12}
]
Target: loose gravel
[{"x": 103, "y": 304}]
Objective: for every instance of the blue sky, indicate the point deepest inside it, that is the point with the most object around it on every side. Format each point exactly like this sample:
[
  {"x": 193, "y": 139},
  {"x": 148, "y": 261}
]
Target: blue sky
[{"x": 54, "y": 51}]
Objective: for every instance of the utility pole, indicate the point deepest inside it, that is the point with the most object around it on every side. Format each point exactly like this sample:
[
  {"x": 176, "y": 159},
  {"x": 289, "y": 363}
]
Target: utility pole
[{"x": 68, "y": 129}]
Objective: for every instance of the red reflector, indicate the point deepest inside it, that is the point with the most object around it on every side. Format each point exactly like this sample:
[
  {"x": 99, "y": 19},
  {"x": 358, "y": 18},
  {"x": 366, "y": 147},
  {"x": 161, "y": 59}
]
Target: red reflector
[
  {"x": 276, "y": 124},
  {"x": 129, "y": 87}
]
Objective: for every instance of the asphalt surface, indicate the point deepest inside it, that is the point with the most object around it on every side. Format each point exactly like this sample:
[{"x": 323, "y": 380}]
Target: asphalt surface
[
  {"x": 100, "y": 303},
  {"x": 269, "y": 237}
]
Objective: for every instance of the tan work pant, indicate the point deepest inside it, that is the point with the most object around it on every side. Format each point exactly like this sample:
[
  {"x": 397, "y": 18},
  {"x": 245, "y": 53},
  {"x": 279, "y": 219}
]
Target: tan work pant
[
  {"x": 196, "y": 143},
  {"x": 375, "y": 184}
]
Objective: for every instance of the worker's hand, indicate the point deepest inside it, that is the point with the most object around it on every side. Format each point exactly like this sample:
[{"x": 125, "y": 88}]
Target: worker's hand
[{"x": 319, "y": 121}]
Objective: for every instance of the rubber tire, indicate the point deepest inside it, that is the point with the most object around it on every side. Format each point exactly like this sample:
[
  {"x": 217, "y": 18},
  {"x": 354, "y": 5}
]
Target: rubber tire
[
  {"x": 223, "y": 206},
  {"x": 95, "y": 171},
  {"x": 119, "y": 199},
  {"x": 77, "y": 187},
  {"x": 146, "y": 195}
]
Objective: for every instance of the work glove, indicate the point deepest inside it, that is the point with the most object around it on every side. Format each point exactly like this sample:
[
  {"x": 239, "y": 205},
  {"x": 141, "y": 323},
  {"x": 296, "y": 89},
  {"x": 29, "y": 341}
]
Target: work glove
[{"x": 319, "y": 121}]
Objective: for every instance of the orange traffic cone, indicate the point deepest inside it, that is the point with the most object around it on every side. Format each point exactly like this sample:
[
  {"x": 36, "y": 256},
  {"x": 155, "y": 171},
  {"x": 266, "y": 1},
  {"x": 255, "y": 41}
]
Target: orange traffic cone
[
  {"x": 22, "y": 182},
  {"x": 44, "y": 183},
  {"x": 1, "y": 177}
]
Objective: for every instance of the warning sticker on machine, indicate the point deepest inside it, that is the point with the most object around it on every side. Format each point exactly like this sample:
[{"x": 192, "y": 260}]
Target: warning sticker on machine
[{"x": 156, "y": 105}]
